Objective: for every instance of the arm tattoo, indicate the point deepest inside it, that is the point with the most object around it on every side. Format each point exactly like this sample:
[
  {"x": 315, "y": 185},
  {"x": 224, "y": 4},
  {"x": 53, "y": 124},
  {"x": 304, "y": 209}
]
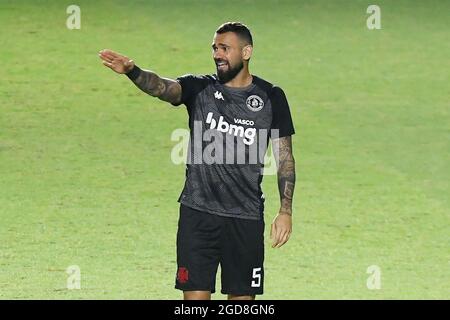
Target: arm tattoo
[
  {"x": 163, "y": 88},
  {"x": 286, "y": 172}
]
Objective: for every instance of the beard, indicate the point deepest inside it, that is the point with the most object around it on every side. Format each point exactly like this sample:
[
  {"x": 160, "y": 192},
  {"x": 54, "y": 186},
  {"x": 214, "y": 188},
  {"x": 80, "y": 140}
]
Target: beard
[{"x": 228, "y": 75}]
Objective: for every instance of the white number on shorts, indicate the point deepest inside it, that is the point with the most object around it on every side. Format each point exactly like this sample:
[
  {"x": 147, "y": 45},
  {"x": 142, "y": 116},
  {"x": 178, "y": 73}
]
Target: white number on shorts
[{"x": 257, "y": 277}]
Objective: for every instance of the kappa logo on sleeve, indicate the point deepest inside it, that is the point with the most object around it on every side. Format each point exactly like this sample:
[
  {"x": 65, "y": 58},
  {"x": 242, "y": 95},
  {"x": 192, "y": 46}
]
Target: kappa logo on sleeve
[{"x": 218, "y": 95}]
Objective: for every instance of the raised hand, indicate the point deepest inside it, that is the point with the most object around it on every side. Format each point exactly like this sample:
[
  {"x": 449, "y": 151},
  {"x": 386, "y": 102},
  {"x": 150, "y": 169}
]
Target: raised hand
[{"x": 115, "y": 61}]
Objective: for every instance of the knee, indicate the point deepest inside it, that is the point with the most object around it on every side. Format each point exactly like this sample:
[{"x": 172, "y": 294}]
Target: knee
[
  {"x": 237, "y": 297},
  {"x": 197, "y": 295}
]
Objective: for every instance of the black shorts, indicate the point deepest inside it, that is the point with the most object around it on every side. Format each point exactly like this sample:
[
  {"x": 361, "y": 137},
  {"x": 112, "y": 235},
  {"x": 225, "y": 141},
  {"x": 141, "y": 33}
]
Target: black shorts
[{"x": 206, "y": 240}]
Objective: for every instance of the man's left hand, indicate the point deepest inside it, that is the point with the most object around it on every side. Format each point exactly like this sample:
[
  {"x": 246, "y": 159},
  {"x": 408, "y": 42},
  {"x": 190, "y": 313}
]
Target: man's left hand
[{"x": 281, "y": 229}]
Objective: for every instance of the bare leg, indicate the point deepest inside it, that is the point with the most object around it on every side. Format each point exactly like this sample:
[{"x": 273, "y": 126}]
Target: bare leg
[
  {"x": 197, "y": 295},
  {"x": 234, "y": 297}
]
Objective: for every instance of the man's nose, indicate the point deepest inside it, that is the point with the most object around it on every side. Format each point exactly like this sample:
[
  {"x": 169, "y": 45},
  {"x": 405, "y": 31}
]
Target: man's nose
[{"x": 217, "y": 55}]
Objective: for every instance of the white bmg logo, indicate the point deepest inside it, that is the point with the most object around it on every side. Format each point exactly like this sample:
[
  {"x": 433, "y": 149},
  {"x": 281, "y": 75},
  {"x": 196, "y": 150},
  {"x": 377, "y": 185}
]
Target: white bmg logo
[{"x": 223, "y": 126}]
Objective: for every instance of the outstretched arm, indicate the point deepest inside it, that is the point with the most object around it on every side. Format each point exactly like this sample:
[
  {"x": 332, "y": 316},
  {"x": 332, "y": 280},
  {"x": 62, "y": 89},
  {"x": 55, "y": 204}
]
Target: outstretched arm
[
  {"x": 165, "y": 89},
  {"x": 282, "y": 224}
]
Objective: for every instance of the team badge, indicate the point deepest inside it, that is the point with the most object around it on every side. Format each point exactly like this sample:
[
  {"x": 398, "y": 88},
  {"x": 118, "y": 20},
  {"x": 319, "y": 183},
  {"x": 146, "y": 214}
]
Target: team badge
[{"x": 254, "y": 103}]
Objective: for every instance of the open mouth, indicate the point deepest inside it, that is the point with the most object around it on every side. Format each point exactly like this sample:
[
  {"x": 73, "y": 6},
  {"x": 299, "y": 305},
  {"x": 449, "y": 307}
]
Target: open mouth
[{"x": 221, "y": 64}]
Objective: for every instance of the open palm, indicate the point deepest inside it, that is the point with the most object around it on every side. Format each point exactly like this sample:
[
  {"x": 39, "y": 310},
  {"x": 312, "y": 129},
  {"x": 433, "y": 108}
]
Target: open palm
[{"x": 115, "y": 61}]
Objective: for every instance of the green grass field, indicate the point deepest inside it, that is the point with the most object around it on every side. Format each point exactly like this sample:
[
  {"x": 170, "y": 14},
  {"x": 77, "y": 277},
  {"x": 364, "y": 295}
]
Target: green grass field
[{"x": 86, "y": 177}]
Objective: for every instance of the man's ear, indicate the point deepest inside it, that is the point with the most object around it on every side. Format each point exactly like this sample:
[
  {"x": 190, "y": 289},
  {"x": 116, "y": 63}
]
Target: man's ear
[{"x": 247, "y": 52}]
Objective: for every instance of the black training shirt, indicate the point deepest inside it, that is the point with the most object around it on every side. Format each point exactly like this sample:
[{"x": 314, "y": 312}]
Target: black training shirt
[{"x": 229, "y": 131}]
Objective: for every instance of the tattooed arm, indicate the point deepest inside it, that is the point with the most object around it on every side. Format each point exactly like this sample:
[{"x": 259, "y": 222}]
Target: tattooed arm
[
  {"x": 165, "y": 89},
  {"x": 282, "y": 225},
  {"x": 286, "y": 172}
]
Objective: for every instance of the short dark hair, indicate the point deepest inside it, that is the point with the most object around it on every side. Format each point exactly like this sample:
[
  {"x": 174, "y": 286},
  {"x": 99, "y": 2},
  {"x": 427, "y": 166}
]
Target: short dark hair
[{"x": 240, "y": 29}]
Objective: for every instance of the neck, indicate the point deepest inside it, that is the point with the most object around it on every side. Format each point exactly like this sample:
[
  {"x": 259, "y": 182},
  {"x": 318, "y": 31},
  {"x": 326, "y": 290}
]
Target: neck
[{"x": 242, "y": 79}]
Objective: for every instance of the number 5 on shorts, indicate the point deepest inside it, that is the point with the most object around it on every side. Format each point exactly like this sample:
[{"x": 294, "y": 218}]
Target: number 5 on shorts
[{"x": 257, "y": 278}]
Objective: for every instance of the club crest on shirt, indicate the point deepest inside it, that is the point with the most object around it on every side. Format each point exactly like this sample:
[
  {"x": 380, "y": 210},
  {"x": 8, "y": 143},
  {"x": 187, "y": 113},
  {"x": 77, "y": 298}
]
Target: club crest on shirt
[{"x": 254, "y": 103}]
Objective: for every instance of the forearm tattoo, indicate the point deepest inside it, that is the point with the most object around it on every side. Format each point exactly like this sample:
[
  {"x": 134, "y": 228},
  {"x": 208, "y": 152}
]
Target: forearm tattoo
[
  {"x": 165, "y": 89},
  {"x": 286, "y": 172}
]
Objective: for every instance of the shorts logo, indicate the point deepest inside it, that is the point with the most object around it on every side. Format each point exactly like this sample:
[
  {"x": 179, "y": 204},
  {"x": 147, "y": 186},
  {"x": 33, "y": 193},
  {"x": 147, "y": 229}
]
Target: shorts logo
[
  {"x": 182, "y": 275},
  {"x": 254, "y": 103}
]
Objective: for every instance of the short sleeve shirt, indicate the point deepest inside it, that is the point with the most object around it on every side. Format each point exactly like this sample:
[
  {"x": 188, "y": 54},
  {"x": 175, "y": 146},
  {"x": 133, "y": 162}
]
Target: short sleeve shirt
[{"x": 229, "y": 133}]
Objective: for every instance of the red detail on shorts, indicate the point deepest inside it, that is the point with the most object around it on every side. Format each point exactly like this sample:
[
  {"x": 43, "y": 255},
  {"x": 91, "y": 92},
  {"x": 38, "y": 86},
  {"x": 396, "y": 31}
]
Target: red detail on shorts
[{"x": 182, "y": 275}]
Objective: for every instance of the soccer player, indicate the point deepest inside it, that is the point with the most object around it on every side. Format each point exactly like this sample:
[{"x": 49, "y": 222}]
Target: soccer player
[{"x": 221, "y": 206}]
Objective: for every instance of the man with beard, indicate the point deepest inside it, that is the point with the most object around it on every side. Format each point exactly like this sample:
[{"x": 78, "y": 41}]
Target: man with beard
[{"x": 222, "y": 205}]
